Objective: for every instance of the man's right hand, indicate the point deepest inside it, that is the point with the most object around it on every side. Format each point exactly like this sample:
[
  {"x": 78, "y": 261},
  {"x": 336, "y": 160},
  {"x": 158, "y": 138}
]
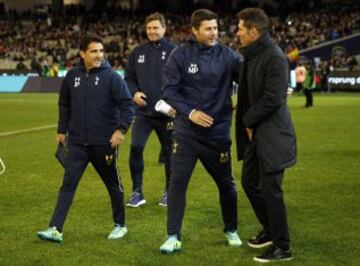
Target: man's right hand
[
  {"x": 201, "y": 119},
  {"x": 60, "y": 138},
  {"x": 250, "y": 133},
  {"x": 139, "y": 98}
]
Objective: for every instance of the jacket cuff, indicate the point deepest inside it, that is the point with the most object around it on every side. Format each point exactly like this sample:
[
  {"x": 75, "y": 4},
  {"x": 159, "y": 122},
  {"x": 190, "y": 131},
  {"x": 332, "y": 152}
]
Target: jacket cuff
[
  {"x": 190, "y": 114},
  {"x": 122, "y": 129}
]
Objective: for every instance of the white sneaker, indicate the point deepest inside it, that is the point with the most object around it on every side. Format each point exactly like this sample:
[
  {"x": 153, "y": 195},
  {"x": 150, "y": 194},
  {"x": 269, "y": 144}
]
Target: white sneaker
[
  {"x": 172, "y": 244},
  {"x": 51, "y": 234},
  {"x": 118, "y": 232},
  {"x": 233, "y": 239}
]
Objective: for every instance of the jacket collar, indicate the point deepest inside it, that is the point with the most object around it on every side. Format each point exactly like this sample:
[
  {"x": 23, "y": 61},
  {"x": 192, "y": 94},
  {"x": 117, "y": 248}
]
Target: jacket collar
[
  {"x": 158, "y": 44},
  {"x": 104, "y": 65},
  {"x": 199, "y": 46},
  {"x": 254, "y": 48}
]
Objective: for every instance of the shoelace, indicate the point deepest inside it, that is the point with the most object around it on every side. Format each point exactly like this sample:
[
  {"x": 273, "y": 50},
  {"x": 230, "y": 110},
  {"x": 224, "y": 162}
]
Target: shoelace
[{"x": 232, "y": 236}]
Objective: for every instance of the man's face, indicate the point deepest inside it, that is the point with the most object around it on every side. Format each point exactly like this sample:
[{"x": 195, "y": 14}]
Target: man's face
[
  {"x": 245, "y": 34},
  {"x": 207, "y": 33},
  {"x": 155, "y": 31},
  {"x": 93, "y": 55}
]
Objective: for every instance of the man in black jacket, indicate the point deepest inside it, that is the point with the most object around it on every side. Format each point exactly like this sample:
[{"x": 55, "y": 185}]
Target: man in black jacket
[
  {"x": 95, "y": 110},
  {"x": 264, "y": 132},
  {"x": 143, "y": 76}
]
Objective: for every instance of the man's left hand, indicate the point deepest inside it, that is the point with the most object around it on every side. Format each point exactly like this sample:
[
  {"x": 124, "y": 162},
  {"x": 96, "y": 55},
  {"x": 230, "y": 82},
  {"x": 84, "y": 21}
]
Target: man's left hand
[
  {"x": 289, "y": 92},
  {"x": 117, "y": 138},
  {"x": 172, "y": 113}
]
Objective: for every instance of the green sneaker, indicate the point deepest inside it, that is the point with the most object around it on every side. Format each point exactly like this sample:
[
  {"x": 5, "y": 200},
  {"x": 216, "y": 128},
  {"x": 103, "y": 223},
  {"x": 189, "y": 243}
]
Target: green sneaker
[
  {"x": 118, "y": 232},
  {"x": 50, "y": 234},
  {"x": 233, "y": 239},
  {"x": 172, "y": 244}
]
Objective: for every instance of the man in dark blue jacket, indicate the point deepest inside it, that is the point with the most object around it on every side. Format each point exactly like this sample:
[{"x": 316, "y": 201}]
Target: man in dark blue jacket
[
  {"x": 143, "y": 76},
  {"x": 95, "y": 110},
  {"x": 198, "y": 82}
]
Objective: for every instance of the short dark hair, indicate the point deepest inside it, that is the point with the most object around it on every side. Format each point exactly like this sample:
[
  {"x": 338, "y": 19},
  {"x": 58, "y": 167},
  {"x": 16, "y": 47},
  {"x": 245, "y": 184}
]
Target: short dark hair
[
  {"x": 254, "y": 17},
  {"x": 156, "y": 16},
  {"x": 200, "y": 15},
  {"x": 89, "y": 38}
]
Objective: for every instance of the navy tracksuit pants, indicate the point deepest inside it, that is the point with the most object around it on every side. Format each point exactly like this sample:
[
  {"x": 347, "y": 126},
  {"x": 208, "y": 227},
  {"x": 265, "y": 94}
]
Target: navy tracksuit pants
[
  {"x": 140, "y": 133},
  {"x": 104, "y": 160},
  {"x": 216, "y": 158}
]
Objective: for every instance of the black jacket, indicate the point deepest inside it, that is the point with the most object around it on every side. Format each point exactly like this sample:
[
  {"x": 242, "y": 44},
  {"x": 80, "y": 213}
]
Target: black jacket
[
  {"x": 93, "y": 105},
  {"x": 262, "y": 106},
  {"x": 200, "y": 77},
  {"x": 143, "y": 73}
]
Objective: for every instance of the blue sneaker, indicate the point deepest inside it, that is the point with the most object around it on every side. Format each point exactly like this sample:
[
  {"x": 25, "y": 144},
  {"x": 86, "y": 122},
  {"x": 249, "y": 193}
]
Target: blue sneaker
[
  {"x": 172, "y": 244},
  {"x": 50, "y": 234},
  {"x": 136, "y": 200},
  {"x": 163, "y": 200},
  {"x": 118, "y": 232},
  {"x": 233, "y": 239}
]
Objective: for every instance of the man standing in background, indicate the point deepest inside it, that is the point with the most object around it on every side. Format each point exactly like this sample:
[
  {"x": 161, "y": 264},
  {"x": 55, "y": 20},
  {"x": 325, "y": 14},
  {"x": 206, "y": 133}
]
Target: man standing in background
[{"x": 143, "y": 76}]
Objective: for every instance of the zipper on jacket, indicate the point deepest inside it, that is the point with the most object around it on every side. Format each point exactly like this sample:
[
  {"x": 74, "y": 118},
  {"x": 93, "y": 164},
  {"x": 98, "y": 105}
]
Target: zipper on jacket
[{"x": 85, "y": 108}]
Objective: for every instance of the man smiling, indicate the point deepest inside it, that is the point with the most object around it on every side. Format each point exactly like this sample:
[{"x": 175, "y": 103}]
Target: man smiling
[
  {"x": 198, "y": 81},
  {"x": 95, "y": 110},
  {"x": 143, "y": 76}
]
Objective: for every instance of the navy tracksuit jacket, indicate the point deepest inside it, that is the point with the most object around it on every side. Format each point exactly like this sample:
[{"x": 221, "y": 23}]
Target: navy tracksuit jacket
[
  {"x": 92, "y": 105},
  {"x": 143, "y": 73},
  {"x": 201, "y": 77}
]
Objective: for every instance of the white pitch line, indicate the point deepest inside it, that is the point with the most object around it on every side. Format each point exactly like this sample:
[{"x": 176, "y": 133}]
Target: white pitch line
[{"x": 11, "y": 133}]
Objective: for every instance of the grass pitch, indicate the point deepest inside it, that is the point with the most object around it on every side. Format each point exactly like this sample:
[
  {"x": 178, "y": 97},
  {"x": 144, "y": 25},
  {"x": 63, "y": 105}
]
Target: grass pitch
[{"x": 321, "y": 192}]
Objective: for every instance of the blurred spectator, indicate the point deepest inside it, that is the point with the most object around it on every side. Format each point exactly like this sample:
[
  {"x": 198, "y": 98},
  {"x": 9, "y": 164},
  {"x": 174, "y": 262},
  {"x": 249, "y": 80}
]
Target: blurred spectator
[
  {"x": 300, "y": 73},
  {"x": 35, "y": 66},
  {"x": 309, "y": 85},
  {"x": 21, "y": 66},
  {"x": 323, "y": 73}
]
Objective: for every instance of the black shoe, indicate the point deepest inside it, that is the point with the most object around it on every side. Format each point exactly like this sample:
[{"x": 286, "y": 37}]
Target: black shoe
[
  {"x": 260, "y": 241},
  {"x": 274, "y": 254},
  {"x": 161, "y": 159}
]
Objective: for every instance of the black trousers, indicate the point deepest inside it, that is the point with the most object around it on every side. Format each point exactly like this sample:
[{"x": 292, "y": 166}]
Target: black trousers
[
  {"x": 140, "y": 133},
  {"x": 104, "y": 160},
  {"x": 266, "y": 197},
  {"x": 309, "y": 98},
  {"x": 216, "y": 158}
]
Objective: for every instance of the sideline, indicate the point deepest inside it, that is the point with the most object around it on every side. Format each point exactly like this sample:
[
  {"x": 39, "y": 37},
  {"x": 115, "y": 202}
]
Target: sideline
[{"x": 33, "y": 129}]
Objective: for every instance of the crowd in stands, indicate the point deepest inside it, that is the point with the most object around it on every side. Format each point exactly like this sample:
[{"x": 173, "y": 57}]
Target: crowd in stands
[{"x": 44, "y": 44}]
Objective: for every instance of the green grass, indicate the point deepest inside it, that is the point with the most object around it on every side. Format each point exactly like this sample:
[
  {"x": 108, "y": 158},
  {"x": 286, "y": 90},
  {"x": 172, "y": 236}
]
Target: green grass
[{"x": 321, "y": 191}]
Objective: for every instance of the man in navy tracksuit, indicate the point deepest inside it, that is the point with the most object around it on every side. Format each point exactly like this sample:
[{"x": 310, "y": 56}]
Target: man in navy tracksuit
[
  {"x": 143, "y": 76},
  {"x": 95, "y": 110},
  {"x": 198, "y": 79}
]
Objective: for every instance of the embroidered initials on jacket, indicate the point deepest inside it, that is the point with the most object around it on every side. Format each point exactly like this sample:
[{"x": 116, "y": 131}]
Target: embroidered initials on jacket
[
  {"x": 76, "y": 82},
  {"x": 193, "y": 69},
  {"x": 141, "y": 59}
]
